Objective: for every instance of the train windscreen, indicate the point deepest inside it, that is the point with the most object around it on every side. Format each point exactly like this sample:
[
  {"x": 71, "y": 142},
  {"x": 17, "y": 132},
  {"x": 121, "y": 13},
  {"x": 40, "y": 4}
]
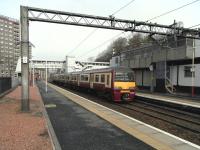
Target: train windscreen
[{"x": 124, "y": 76}]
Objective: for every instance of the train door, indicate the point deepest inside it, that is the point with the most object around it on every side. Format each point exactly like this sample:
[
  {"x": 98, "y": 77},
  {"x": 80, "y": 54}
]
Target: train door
[
  {"x": 108, "y": 80},
  {"x": 91, "y": 80}
]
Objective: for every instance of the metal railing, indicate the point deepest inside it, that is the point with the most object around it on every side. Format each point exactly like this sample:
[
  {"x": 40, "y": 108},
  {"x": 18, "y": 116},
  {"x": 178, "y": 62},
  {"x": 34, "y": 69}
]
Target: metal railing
[{"x": 169, "y": 86}]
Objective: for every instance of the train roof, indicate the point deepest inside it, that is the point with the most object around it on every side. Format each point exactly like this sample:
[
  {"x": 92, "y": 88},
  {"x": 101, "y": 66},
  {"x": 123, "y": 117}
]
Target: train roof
[{"x": 109, "y": 69}]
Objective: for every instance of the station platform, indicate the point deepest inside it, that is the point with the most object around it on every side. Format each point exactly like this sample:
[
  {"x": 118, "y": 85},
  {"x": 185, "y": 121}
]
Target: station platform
[
  {"x": 79, "y": 129},
  {"x": 182, "y": 100},
  {"x": 85, "y": 125}
]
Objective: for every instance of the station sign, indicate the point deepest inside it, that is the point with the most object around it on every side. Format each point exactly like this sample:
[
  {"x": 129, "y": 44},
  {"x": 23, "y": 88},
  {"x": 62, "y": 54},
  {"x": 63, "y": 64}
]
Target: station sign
[{"x": 25, "y": 60}]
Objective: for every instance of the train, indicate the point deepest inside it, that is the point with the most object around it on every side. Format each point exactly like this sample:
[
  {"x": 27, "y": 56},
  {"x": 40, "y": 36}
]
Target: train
[{"x": 116, "y": 83}]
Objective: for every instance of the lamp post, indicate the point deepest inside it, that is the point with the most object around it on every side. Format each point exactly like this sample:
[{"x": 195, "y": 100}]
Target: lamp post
[
  {"x": 193, "y": 67},
  {"x": 33, "y": 73},
  {"x": 152, "y": 77},
  {"x": 46, "y": 77}
]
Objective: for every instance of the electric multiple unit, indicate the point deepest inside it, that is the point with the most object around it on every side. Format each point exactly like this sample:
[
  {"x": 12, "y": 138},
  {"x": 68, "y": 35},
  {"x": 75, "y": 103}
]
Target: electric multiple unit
[{"x": 116, "y": 83}]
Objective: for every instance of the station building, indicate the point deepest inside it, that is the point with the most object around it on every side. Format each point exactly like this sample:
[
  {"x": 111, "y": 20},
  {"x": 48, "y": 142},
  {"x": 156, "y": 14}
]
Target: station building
[
  {"x": 71, "y": 64},
  {"x": 164, "y": 68}
]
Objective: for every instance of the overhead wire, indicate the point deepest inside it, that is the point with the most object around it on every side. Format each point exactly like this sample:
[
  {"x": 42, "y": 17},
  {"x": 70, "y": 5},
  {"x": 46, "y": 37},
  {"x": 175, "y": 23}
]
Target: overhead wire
[
  {"x": 161, "y": 15},
  {"x": 122, "y": 7},
  {"x": 87, "y": 37},
  {"x": 165, "y": 13},
  {"x": 100, "y": 45},
  {"x": 91, "y": 33},
  {"x": 195, "y": 26}
]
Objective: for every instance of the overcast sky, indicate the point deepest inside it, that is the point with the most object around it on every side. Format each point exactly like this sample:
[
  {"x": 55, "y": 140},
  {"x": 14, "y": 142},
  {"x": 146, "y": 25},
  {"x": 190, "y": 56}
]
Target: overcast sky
[{"x": 54, "y": 41}]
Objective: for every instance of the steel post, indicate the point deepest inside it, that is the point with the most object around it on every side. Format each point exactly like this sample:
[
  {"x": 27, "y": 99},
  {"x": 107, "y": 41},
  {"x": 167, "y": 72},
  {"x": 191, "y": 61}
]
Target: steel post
[
  {"x": 46, "y": 77},
  {"x": 24, "y": 58},
  {"x": 193, "y": 67},
  {"x": 152, "y": 82},
  {"x": 33, "y": 75}
]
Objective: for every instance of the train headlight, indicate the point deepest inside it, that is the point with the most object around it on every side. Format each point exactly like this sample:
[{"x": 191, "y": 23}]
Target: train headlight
[{"x": 132, "y": 89}]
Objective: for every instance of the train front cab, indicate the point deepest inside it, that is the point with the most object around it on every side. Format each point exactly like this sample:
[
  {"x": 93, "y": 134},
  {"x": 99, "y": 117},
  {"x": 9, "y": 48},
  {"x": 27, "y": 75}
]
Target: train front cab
[{"x": 123, "y": 85}]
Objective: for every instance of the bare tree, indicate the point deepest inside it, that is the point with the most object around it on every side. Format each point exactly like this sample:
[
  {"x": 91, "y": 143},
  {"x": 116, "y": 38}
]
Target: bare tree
[
  {"x": 119, "y": 45},
  {"x": 135, "y": 41},
  {"x": 122, "y": 44}
]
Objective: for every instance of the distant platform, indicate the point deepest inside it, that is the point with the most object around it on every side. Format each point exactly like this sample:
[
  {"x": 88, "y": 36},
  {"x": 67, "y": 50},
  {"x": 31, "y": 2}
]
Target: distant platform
[{"x": 172, "y": 99}]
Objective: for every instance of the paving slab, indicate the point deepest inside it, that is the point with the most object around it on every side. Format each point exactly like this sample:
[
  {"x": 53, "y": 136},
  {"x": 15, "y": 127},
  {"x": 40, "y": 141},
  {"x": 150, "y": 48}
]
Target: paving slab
[{"x": 20, "y": 130}]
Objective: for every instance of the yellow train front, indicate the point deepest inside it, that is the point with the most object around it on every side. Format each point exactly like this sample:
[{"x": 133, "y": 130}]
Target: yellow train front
[{"x": 123, "y": 88}]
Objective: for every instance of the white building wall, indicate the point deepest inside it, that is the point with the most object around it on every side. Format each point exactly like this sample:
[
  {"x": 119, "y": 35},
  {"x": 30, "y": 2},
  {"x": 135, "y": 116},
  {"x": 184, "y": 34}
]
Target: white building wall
[
  {"x": 70, "y": 64},
  {"x": 197, "y": 48},
  {"x": 185, "y": 81}
]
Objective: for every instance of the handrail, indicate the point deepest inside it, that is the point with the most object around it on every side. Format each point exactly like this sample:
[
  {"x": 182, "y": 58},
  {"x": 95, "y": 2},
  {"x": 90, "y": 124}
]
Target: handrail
[{"x": 169, "y": 85}]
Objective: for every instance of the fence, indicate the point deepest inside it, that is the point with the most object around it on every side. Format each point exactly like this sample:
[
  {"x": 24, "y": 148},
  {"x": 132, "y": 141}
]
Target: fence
[{"x": 5, "y": 84}]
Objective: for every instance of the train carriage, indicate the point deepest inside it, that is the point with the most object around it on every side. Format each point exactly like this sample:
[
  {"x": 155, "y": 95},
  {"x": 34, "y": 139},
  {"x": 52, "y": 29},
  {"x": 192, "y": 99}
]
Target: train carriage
[{"x": 117, "y": 83}]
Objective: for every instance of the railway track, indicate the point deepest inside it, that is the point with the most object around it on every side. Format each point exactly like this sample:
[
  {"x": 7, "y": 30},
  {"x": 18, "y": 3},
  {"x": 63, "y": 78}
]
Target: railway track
[
  {"x": 183, "y": 113},
  {"x": 179, "y": 119},
  {"x": 184, "y": 124}
]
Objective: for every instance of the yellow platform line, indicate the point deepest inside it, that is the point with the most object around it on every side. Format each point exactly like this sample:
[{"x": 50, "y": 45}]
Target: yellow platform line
[{"x": 146, "y": 138}]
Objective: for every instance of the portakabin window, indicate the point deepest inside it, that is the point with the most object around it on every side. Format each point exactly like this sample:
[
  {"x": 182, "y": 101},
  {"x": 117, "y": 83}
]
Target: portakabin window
[{"x": 188, "y": 71}]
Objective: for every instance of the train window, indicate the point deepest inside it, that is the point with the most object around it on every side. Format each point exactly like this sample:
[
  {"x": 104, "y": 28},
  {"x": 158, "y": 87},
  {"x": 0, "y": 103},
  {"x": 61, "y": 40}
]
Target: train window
[
  {"x": 124, "y": 76},
  {"x": 102, "y": 78},
  {"x": 74, "y": 78},
  {"x": 84, "y": 77},
  {"x": 108, "y": 80},
  {"x": 97, "y": 78}
]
